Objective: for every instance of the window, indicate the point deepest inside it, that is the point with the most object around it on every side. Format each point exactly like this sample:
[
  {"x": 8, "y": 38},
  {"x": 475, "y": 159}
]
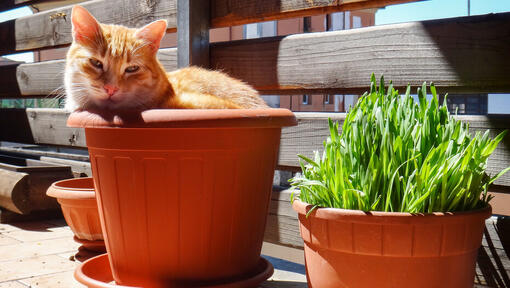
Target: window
[
  {"x": 328, "y": 99},
  {"x": 307, "y": 24},
  {"x": 306, "y": 100},
  {"x": 356, "y": 22},
  {"x": 335, "y": 21},
  {"x": 257, "y": 30},
  {"x": 471, "y": 104},
  {"x": 251, "y": 31}
]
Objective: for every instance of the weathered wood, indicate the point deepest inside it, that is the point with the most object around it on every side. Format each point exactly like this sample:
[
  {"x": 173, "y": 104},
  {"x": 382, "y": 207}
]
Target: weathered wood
[
  {"x": 14, "y": 126},
  {"x": 53, "y": 27},
  {"x": 13, "y": 188},
  {"x": 11, "y": 4},
  {"x": 79, "y": 167},
  {"x": 7, "y": 37},
  {"x": 47, "y": 126},
  {"x": 39, "y": 153},
  {"x": 282, "y": 223},
  {"x": 41, "y": 79},
  {"x": 29, "y": 188},
  {"x": 9, "y": 82},
  {"x": 468, "y": 54},
  {"x": 46, "y": 78},
  {"x": 501, "y": 202},
  {"x": 193, "y": 33},
  {"x": 312, "y": 130},
  {"x": 229, "y": 13},
  {"x": 39, "y": 126}
]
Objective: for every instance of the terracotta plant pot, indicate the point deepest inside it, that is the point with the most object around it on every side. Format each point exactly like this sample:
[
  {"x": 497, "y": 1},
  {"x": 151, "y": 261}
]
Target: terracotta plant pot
[
  {"x": 351, "y": 248},
  {"x": 79, "y": 206},
  {"x": 183, "y": 194}
]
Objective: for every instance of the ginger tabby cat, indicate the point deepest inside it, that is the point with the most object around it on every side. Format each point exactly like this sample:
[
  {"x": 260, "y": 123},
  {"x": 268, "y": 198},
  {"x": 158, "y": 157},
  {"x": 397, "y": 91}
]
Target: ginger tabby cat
[{"x": 113, "y": 67}]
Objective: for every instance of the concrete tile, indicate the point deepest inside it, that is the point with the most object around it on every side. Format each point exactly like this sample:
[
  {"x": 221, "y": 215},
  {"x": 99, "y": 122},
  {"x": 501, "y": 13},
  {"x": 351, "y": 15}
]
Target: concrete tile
[
  {"x": 38, "y": 248},
  {"x": 57, "y": 280},
  {"x": 31, "y": 235},
  {"x": 4, "y": 240},
  {"x": 283, "y": 252},
  {"x": 281, "y": 275},
  {"x": 12, "y": 284},
  {"x": 35, "y": 266},
  {"x": 32, "y": 226}
]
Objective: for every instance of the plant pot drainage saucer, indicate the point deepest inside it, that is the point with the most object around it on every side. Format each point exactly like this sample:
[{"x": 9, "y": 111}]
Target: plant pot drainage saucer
[
  {"x": 96, "y": 273},
  {"x": 92, "y": 245}
]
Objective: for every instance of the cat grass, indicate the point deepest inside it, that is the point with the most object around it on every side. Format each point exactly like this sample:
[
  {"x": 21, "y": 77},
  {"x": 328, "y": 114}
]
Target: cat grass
[{"x": 396, "y": 154}]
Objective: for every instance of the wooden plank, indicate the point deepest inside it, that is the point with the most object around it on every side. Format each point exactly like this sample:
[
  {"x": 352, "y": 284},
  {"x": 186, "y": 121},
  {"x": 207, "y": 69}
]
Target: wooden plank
[
  {"x": 282, "y": 226},
  {"x": 193, "y": 33},
  {"x": 313, "y": 129},
  {"x": 236, "y": 12},
  {"x": 501, "y": 202},
  {"x": 11, "y": 4},
  {"x": 7, "y": 37},
  {"x": 9, "y": 81},
  {"x": 467, "y": 54},
  {"x": 14, "y": 126},
  {"x": 39, "y": 126},
  {"x": 53, "y": 27},
  {"x": 47, "y": 126},
  {"x": 46, "y": 78},
  {"x": 39, "y": 152}
]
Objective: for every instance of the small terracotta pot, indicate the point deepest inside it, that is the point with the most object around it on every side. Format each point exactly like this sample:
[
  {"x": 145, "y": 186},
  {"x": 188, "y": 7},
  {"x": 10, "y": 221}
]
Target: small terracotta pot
[
  {"x": 183, "y": 194},
  {"x": 351, "y": 248},
  {"x": 79, "y": 206}
]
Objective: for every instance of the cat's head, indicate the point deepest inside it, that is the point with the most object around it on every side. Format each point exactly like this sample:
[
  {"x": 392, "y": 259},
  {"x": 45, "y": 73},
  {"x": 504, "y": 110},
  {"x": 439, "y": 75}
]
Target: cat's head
[{"x": 113, "y": 67}]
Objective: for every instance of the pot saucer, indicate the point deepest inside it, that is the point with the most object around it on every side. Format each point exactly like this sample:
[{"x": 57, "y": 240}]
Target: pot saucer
[
  {"x": 92, "y": 245},
  {"x": 96, "y": 273}
]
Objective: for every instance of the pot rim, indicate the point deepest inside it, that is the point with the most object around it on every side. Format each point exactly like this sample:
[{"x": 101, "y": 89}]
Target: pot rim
[
  {"x": 72, "y": 189},
  {"x": 339, "y": 214},
  {"x": 185, "y": 118}
]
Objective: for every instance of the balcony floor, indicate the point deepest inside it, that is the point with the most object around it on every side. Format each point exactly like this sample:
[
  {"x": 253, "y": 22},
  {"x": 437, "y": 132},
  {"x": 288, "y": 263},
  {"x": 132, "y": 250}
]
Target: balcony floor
[{"x": 41, "y": 254}]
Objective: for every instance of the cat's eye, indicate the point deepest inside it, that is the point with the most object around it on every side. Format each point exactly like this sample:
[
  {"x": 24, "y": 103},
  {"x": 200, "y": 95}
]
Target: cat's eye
[
  {"x": 96, "y": 63},
  {"x": 132, "y": 69}
]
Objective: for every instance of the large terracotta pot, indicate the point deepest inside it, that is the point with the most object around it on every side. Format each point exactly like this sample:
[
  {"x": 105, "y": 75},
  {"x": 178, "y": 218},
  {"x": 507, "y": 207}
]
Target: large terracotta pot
[
  {"x": 350, "y": 248},
  {"x": 183, "y": 194},
  {"x": 78, "y": 202}
]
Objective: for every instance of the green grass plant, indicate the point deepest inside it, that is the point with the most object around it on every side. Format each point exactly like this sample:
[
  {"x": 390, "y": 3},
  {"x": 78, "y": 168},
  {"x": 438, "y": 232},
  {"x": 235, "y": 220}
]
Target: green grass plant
[{"x": 399, "y": 155}]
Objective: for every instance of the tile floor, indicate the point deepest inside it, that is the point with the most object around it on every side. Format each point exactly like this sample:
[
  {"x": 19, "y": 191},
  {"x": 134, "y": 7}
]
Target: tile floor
[{"x": 41, "y": 254}]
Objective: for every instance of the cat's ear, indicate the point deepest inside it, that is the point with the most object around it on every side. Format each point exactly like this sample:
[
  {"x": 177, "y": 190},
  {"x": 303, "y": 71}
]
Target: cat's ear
[
  {"x": 152, "y": 33},
  {"x": 86, "y": 29}
]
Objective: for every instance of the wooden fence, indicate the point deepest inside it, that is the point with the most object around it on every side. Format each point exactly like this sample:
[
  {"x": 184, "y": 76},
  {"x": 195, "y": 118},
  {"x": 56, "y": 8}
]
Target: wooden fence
[{"x": 460, "y": 55}]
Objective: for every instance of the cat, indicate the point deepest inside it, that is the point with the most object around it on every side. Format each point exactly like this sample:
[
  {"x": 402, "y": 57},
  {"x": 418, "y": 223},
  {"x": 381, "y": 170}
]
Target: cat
[{"x": 112, "y": 67}]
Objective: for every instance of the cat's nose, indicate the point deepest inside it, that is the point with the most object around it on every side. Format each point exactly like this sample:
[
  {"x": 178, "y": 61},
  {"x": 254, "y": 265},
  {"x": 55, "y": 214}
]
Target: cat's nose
[{"x": 110, "y": 89}]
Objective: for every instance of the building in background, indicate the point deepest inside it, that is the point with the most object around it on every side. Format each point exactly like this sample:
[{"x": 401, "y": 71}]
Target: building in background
[{"x": 466, "y": 104}]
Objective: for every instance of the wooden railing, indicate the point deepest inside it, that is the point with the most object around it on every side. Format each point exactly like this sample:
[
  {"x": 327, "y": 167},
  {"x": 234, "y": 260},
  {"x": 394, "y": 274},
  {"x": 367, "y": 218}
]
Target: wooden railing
[{"x": 466, "y": 54}]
